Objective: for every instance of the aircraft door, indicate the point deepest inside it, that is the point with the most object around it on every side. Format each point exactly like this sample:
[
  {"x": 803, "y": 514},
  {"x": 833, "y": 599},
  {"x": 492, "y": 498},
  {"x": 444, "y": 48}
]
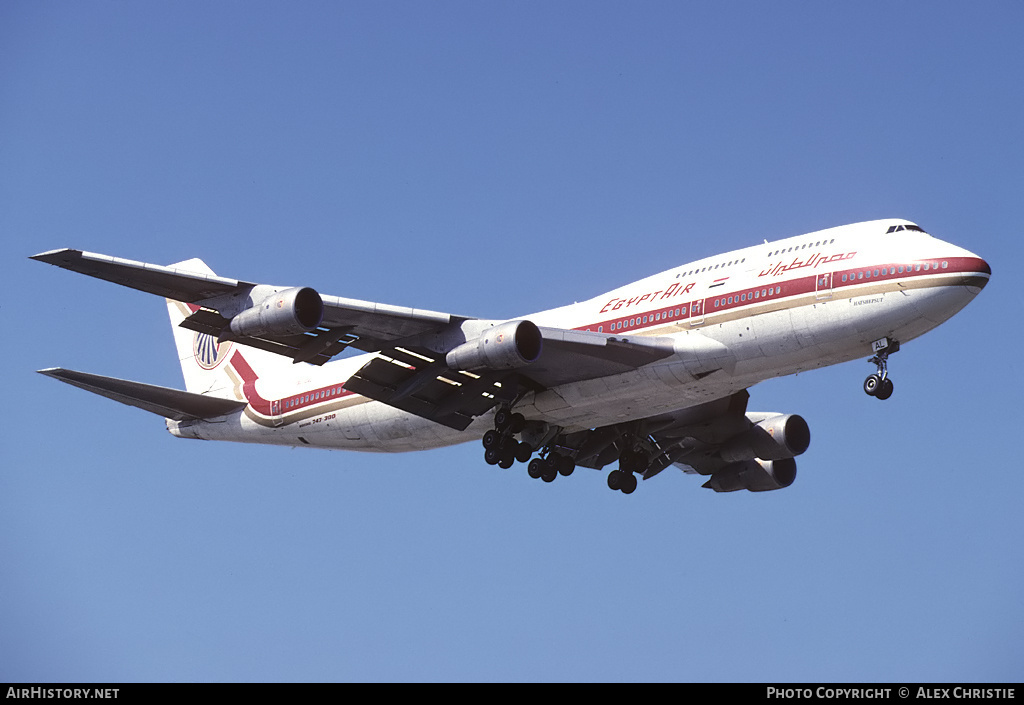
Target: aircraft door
[
  {"x": 275, "y": 412},
  {"x": 697, "y": 312},
  {"x": 823, "y": 286}
]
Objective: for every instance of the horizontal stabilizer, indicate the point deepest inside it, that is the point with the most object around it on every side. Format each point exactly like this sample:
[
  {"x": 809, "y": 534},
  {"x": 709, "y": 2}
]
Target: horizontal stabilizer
[{"x": 162, "y": 401}]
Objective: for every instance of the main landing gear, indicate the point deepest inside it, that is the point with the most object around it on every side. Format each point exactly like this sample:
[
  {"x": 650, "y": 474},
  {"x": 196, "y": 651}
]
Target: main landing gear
[
  {"x": 551, "y": 466},
  {"x": 502, "y": 449},
  {"x": 553, "y": 458},
  {"x": 624, "y": 482},
  {"x": 632, "y": 460},
  {"x": 879, "y": 385}
]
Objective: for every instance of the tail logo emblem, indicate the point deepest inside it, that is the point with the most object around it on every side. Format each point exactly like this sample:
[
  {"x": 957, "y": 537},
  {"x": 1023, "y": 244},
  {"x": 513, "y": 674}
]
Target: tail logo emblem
[{"x": 209, "y": 353}]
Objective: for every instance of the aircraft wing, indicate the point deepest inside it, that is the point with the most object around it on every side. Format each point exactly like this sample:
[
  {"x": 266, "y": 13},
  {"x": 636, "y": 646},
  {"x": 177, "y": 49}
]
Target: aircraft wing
[
  {"x": 693, "y": 434},
  {"x": 418, "y": 380},
  {"x": 217, "y": 300},
  {"x": 410, "y": 371},
  {"x": 719, "y": 439},
  {"x": 180, "y": 284}
]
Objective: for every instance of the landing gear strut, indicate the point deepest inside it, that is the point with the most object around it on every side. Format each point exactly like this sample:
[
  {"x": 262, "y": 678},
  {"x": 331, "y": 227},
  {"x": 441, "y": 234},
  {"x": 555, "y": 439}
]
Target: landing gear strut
[{"x": 879, "y": 385}]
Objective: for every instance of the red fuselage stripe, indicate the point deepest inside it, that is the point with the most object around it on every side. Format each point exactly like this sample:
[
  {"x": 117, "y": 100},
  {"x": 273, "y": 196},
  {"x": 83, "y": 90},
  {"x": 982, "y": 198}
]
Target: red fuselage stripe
[
  {"x": 773, "y": 290},
  {"x": 681, "y": 311}
]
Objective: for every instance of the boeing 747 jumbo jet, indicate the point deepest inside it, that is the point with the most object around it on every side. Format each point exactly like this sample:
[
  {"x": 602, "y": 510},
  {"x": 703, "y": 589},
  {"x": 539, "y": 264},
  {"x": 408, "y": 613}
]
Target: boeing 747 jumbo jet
[{"x": 652, "y": 374}]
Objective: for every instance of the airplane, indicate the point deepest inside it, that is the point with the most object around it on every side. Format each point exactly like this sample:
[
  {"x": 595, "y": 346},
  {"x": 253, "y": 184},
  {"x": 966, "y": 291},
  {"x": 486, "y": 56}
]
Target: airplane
[{"x": 649, "y": 375}]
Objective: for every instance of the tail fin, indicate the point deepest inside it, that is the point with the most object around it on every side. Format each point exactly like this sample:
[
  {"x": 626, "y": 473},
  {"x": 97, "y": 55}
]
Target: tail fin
[{"x": 208, "y": 365}]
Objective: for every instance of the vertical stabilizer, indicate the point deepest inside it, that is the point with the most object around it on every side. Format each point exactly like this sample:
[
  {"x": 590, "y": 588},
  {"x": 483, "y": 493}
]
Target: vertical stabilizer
[{"x": 206, "y": 363}]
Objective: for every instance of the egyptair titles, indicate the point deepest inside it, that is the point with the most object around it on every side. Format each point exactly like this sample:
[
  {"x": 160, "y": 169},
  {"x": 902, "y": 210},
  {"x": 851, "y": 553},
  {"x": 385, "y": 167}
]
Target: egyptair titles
[
  {"x": 814, "y": 261},
  {"x": 674, "y": 290}
]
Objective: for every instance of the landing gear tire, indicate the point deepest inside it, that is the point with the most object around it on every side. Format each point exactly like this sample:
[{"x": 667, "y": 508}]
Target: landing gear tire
[
  {"x": 623, "y": 481},
  {"x": 615, "y": 478},
  {"x": 535, "y": 469},
  {"x": 523, "y": 452},
  {"x": 873, "y": 385},
  {"x": 492, "y": 439},
  {"x": 505, "y": 420},
  {"x": 546, "y": 469},
  {"x": 492, "y": 456},
  {"x": 629, "y": 485},
  {"x": 507, "y": 455},
  {"x": 502, "y": 419},
  {"x": 886, "y": 389}
]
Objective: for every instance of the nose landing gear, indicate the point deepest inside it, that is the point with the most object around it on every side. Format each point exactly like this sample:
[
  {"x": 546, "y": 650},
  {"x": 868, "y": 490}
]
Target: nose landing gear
[{"x": 879, "y": 385}]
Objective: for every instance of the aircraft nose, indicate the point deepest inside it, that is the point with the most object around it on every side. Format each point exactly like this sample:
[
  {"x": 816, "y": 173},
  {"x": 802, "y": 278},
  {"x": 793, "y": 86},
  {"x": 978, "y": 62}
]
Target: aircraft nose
[{"x": 977, "y": 275}]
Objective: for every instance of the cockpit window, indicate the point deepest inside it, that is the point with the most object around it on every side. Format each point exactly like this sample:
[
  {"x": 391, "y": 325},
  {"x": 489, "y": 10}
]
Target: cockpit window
[{"x": 908, "y": 226}]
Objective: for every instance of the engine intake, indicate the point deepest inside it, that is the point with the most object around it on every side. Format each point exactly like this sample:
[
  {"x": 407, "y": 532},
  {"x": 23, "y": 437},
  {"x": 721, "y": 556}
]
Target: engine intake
[
  {"x": 287, "y": 312},
  {"x": 774, "y": 438},
  {"x": 754, "y": 475},
  {"x": 503, "y": 347}
]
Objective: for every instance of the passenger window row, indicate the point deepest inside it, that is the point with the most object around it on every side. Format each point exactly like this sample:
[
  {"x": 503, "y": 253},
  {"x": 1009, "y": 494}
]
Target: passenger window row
[
  {"x": 819, "y": 243},
  {"x": 634, "y": 321},
  {"x": 890, "y": 271},
  {"x": 710, "y": 268},
  {"x": 320, "y": 394},
  {"x": 761, "y": 294},
  {"x": 746, "y": 296}
]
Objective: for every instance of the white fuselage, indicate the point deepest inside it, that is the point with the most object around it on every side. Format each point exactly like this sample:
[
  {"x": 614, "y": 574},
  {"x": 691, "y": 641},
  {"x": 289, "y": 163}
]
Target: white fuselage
[{"x": 735, "y": 320}]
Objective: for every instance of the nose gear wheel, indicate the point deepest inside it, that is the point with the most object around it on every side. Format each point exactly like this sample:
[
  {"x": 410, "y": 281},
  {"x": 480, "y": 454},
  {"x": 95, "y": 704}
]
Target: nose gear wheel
[{"x": 879, "y": 385}]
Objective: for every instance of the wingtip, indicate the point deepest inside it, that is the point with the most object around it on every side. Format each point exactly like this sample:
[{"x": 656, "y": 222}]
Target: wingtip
[{"x": 58, "y": 255}]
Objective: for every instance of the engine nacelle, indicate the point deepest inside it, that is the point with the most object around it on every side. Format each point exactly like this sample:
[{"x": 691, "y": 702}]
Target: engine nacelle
[
  {"x": 287, "y": 312},
  {"x": 754, "y": 475},
  {"x": 503, "y": 347},
  {"x": 774, "y": 438}
]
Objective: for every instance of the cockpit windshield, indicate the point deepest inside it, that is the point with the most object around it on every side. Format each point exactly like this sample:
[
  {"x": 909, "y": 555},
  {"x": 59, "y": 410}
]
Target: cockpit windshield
[{"x": 907, "y": 226}]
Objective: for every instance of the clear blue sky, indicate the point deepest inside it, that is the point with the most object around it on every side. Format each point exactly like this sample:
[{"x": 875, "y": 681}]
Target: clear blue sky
[{"x": 492, "y": 159}]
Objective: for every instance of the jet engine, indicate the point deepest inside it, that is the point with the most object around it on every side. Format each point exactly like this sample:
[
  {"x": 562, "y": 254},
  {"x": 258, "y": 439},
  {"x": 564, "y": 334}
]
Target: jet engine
[
  {"x": 774, "y": 438},
  {"x": 503, "y": 347},
  {"x": 754, "y": 475},
  {"x": 289, "y": 312}
]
